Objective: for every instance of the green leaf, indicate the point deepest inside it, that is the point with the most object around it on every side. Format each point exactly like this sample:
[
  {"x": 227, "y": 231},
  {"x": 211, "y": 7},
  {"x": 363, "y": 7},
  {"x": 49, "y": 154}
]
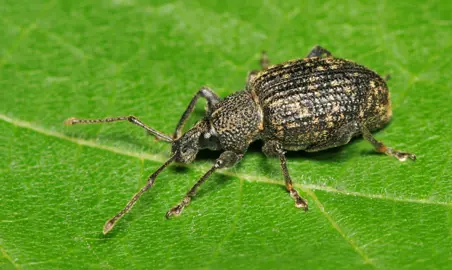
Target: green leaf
[{"x": 110, "y": 58}]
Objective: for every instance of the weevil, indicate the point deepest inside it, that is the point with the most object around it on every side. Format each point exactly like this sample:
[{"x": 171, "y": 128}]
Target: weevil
[{"x": 309, "y": 104}]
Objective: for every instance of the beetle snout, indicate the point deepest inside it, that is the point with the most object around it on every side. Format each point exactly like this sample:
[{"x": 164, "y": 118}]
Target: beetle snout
[{"x": 185, "y": 150}]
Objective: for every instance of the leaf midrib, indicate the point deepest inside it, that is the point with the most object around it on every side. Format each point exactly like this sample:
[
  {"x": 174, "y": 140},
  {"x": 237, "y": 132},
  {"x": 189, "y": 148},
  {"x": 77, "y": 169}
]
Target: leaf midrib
[{"x": 250, "y": 178}]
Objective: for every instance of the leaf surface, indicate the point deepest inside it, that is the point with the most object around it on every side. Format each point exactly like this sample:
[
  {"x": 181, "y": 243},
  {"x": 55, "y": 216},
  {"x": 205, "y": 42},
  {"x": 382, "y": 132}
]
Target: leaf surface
[{"x": 110, "y": 58}]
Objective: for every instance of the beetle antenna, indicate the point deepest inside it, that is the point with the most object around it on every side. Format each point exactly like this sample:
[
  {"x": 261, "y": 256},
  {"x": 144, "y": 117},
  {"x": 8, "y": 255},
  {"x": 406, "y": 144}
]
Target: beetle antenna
[
  {"x": 132, "y": 119},
  {"x": 112, "y": 221}
]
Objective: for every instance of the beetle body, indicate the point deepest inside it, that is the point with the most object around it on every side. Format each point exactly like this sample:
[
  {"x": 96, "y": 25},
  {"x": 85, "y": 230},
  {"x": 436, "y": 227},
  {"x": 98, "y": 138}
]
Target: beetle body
[{"x": 309, "y": 104}]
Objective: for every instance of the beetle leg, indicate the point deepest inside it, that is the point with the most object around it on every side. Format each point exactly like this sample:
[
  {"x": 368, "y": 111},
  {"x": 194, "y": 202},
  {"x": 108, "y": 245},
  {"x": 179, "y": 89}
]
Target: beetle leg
[
  {"x": 264, "y": 63},
  {"x": 380, "y": 147},
  {"x": 204, "y": 92},
  {"x": 151, "y": 180},
  {"x": 250, "y": 77},
  {"x": 318, "y": 51},
  {"x": 226, "y": 159},
  {"x": 132, "y": 119},
  {"x": 274, "y": 148}
]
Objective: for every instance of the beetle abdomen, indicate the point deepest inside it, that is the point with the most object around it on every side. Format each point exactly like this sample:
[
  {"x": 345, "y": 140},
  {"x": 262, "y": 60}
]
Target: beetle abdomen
[{"x": 305, "y": 102}]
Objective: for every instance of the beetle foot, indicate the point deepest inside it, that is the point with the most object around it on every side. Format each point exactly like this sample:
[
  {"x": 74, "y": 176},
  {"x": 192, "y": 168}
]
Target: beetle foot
[
  {"x": 402, "y": 156},
  {"x": 177, "y": 210},
  {"x": 299, "y": 201}
]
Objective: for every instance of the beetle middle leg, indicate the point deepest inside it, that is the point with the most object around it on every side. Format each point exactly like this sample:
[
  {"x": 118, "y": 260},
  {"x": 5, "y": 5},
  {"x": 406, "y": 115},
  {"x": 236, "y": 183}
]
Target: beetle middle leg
[
  {"x": 274, "y": 148},
  {"x": 226, "y": 159},
  {"x": 318, "y": 51},
  {"x": 204, "y": 92},
  {"x": 380, "y": 147}
]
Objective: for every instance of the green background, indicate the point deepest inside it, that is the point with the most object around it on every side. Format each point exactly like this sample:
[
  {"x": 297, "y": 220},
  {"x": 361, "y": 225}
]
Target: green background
[{"x": 110, "y": 58}]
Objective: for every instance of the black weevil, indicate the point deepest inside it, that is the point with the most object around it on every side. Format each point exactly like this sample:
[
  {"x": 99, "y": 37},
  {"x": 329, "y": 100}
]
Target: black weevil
[{"x": 309, "y": 104}]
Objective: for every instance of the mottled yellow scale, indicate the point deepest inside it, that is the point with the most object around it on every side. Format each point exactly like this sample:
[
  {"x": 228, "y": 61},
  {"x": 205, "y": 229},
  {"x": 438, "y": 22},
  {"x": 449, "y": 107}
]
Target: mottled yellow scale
[{"x": 301, "y": 99}]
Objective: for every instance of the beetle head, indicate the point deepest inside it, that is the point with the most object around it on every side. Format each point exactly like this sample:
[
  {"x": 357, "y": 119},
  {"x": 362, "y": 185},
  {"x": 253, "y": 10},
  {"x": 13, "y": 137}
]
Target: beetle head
[{"x": 187, "y": 146}]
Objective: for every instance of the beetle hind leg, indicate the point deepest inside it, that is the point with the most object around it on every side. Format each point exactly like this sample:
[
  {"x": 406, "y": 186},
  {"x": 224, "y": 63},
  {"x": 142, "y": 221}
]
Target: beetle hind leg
[
  {"x": 382, "y": 148},
  {"x": 264, "y": 63},
  {"x": 318, "y": 51}
]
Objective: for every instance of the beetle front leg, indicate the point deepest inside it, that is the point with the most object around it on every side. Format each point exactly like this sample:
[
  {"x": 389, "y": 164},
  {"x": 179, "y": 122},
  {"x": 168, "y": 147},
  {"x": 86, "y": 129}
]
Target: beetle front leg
[
  {"x": 226, "y": 159},
  {"x": 204, "y": 92},
  {"x": 274, "y": 148},
  {"x": 380, "y": 147},
  {"x": 318, "y": 51}
]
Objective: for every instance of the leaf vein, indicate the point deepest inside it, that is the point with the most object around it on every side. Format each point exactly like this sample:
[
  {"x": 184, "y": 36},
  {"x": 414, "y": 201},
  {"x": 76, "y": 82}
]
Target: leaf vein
[
  {"x": 6, "y": 255},
  {"x": 233, "y": 225},
  {"x": 336, "y": 226},
  {"x": 250, "y": 178}
]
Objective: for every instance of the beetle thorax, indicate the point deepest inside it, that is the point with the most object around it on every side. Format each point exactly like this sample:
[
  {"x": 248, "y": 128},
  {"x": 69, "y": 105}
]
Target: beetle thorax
[{"x": 236, "y": 121}]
